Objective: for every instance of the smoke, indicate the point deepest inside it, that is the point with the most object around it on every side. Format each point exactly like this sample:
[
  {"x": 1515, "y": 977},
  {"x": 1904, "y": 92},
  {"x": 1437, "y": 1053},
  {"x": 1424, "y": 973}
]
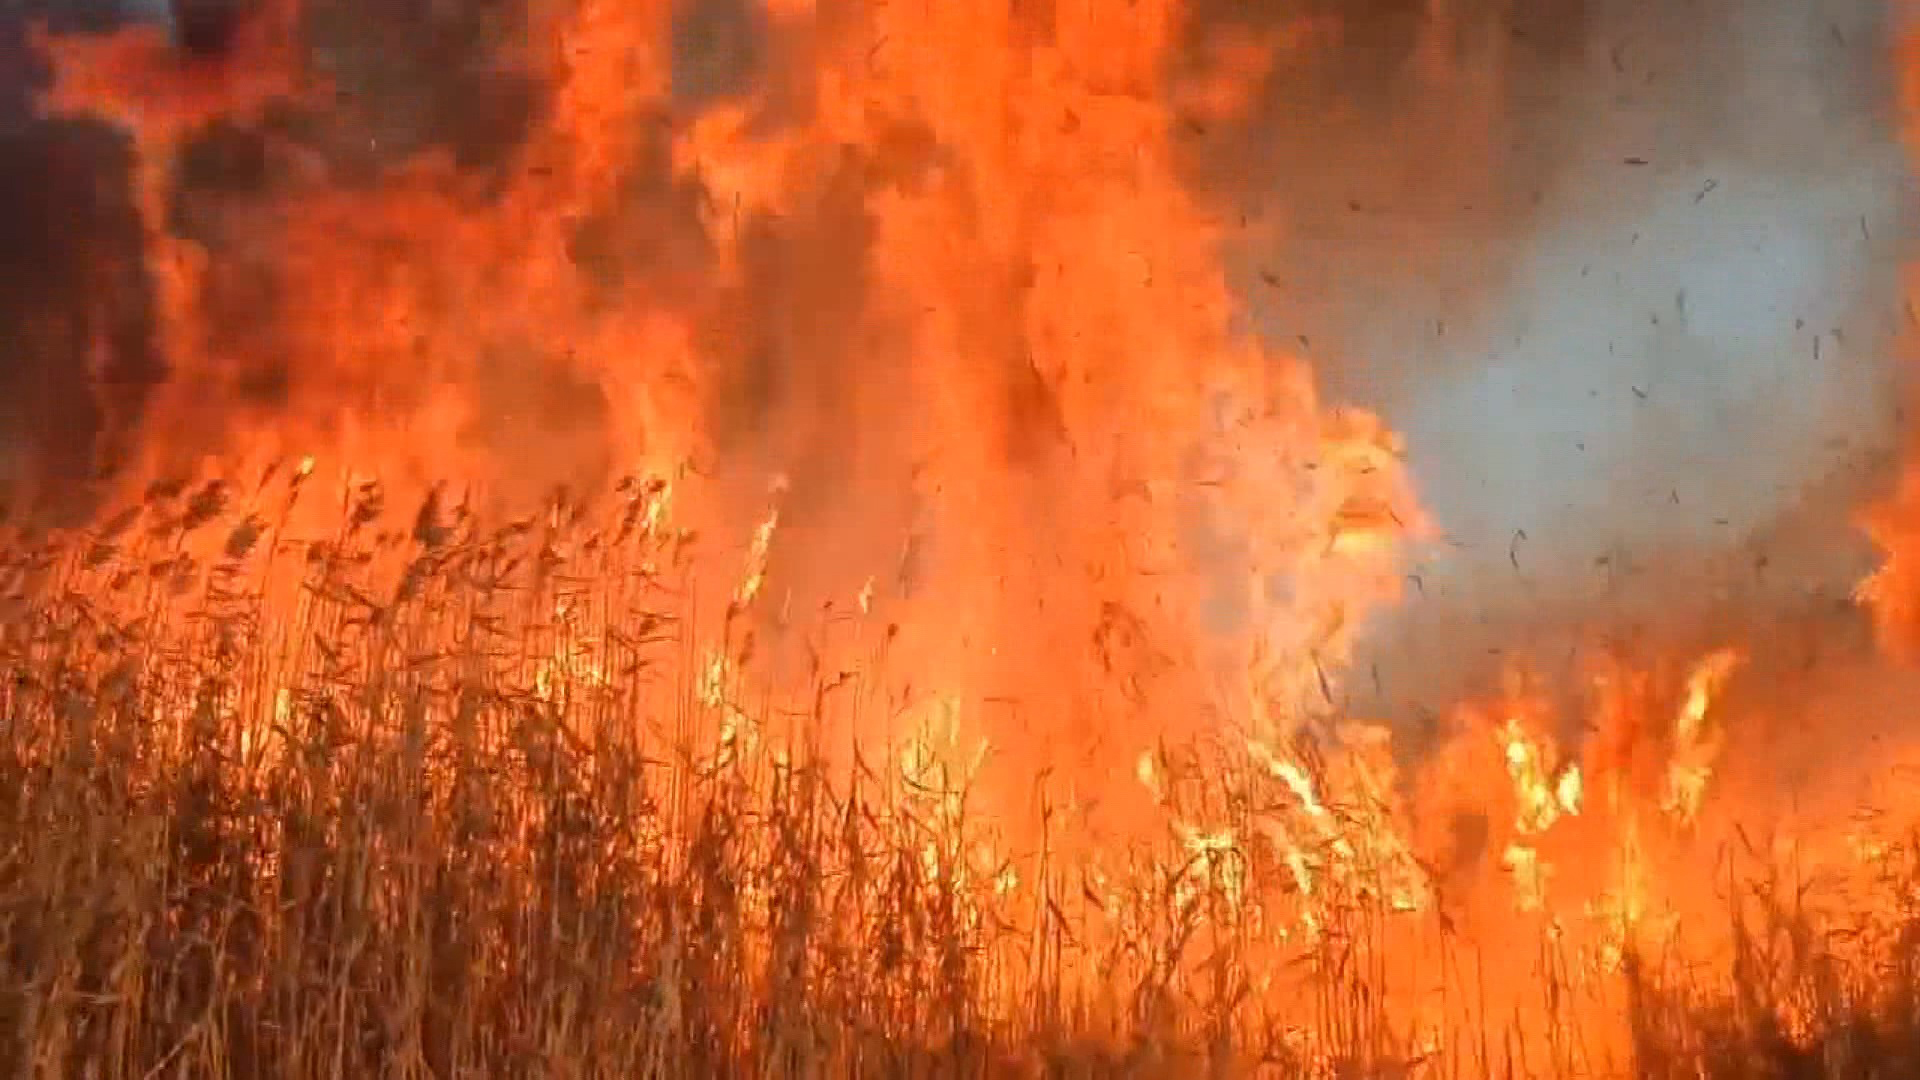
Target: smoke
[
  {"x": 1627, "y": 277},
  {"x": 74, "y": 305}
]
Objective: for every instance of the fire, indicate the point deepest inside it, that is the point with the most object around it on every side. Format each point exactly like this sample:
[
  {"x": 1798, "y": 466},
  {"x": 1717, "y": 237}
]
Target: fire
[
  {"x": 995, "y": 334},
  {"x": 1892, "y": 592},
  {"x": 1695, "y": 747},
  {"x": 1027, "y": 680},
  {"x": 1542, "y": 794}
]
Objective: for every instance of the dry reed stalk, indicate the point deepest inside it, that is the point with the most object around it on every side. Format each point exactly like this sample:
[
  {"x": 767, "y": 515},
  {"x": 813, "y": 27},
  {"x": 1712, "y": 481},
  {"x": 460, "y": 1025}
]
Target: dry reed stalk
[{"x": 455, "y": 800}]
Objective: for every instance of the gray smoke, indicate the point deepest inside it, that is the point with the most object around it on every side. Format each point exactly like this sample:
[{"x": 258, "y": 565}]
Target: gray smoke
[{"x": 1632, "y": 293}]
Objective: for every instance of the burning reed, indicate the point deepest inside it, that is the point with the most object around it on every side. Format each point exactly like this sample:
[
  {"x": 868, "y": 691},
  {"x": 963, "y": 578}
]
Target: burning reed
[
  {"x": 428, "y": 796},
  {"x": 393, "y": 784}
]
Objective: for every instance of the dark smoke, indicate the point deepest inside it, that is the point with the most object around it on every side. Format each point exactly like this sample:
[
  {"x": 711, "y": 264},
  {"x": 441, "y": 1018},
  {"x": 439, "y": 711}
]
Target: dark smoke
[{"x": 74, "y": 306}]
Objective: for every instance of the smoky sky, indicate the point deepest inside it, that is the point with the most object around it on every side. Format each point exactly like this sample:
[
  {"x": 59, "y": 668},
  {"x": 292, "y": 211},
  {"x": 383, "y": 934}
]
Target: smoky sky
[{"x": 1629, "y": 282}]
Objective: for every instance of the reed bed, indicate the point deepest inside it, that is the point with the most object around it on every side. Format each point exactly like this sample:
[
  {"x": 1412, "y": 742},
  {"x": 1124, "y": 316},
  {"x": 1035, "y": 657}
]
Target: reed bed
[{"x": 425, "y": 796}]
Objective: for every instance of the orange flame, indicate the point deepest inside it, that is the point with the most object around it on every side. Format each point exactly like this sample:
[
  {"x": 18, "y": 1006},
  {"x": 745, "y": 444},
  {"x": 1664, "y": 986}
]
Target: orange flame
[
  {"x": 940, "y": 274},
  {"x": 1892, "y": 592}
]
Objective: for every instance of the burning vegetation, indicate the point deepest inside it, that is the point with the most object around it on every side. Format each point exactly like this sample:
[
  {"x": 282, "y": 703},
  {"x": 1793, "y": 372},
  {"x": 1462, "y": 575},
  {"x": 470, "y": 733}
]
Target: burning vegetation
[{"x": 795, "y": 566}]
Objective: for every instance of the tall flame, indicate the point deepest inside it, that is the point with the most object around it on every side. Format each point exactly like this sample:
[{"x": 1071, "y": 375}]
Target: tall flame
[
  {"x": 1893, "y": 591},
  {"x": 933, "y": 265}
]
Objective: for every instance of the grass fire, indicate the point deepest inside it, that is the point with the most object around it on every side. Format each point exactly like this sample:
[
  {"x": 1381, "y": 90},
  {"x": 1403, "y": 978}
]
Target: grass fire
[{"x": 765, "y": 539}]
